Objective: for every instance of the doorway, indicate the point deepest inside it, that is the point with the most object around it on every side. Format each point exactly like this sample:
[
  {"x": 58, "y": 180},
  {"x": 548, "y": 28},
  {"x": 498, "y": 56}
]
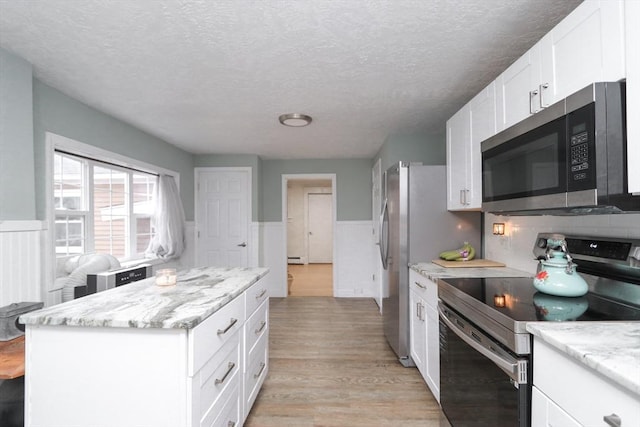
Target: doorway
[{"x": 309, "y": 209}]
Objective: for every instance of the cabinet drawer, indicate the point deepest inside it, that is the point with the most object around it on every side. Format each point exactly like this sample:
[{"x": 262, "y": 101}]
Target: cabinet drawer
[
  {"x": 257, "y": 368},
  {"x": 209, "y": 336},
  {"x": 220, "y": 373},
  {"x": 256, "y": 295},
  {"x": 571, "y": 386},
  {"x": 226, "y": 413},
  {"x": 424, "y": 288},
  {"x": 257, "y": 326}
]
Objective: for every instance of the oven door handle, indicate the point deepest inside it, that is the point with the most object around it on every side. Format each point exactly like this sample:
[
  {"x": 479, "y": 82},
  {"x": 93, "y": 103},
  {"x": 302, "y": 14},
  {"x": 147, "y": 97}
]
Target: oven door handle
[{"x": 516, "y": 369}]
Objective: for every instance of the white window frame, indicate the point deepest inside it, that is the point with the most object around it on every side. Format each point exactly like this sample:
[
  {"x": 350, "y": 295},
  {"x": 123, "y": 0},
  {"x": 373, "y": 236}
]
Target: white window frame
[{"x": 54, "y": 142}]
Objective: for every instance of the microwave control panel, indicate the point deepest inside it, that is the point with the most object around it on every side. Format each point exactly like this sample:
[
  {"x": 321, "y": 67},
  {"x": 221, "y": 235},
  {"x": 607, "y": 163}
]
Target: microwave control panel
[{"x": 581, "y": 149}]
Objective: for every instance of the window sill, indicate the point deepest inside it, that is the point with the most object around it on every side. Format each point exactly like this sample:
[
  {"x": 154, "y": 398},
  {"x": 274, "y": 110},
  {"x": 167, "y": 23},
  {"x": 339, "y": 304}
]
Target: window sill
[{"x": 136, "y": 262}]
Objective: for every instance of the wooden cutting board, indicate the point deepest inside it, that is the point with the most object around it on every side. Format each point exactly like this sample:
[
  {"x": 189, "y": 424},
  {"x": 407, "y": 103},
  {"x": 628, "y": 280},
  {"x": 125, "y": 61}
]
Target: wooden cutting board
[{"x": 472, "y": 263}]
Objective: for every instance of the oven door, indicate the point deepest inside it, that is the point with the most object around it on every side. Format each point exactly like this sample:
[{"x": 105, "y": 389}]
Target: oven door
[{"x": 481, "y": 383}]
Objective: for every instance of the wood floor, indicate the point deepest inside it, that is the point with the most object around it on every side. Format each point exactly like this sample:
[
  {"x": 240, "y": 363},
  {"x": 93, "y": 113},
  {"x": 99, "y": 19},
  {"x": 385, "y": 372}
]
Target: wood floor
[
  {"x": 331, "y": 366},
  {"x": 311, "y": 280}
]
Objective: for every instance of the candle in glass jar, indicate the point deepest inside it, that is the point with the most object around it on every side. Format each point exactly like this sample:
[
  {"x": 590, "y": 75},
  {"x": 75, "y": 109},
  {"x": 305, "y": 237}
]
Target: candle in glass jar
[{"x": 166, "y": 277}]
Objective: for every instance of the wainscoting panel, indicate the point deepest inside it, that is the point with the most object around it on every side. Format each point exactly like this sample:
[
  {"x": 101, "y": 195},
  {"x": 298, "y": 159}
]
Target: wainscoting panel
[
  {"x": 273, "y": 255},
  {"x": 353, "y": 267},
  {"x": 20, "y": 261}
]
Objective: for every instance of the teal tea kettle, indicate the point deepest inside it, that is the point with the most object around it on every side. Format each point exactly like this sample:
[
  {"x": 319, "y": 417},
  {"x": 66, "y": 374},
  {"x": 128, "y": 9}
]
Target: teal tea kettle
[{"x": 557, "y": 275}]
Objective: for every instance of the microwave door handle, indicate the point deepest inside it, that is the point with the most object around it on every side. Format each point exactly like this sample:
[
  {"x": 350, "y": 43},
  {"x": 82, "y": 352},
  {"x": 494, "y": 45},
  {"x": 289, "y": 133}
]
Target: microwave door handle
[{"x": 510, "y": 367}]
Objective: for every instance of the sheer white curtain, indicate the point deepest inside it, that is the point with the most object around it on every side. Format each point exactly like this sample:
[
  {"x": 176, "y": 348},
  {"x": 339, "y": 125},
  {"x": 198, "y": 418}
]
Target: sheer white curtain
[{"x": 168, "y": 221}]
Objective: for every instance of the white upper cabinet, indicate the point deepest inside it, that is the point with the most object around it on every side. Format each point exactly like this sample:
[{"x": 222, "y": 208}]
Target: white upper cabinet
[
  {"x": 474, "y": 123},
  {"x": 632, "y": 47},
  {"x": 586, "y": 47},
  {"x": 458, "y": 139},
  {"x": 517, "y": 90},
  {"x": 482, "y": 118}
]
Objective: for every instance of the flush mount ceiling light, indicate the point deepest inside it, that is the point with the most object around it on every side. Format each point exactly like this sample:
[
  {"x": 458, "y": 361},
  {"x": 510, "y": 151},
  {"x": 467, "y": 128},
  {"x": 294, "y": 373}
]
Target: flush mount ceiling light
[{"x": 295, "y": 119}]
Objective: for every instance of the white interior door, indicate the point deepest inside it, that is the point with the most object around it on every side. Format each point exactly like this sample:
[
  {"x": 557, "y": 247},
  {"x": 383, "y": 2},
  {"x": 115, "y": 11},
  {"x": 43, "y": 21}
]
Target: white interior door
[
  {"x": 320, "y": 226},
  {"x": 223, "y": 217}
]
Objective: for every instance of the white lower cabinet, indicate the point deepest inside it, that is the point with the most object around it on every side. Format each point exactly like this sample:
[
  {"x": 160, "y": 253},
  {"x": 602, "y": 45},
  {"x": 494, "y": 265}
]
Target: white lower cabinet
[
  {"x": 424, "y": 327},
  {"x": 567, "y": 393},
  {"x": 256, "y": 354},
  {"x": 545, "y": 413},
  {"x": 208, "y": 376},
  {"x": 418, "y": 328}
]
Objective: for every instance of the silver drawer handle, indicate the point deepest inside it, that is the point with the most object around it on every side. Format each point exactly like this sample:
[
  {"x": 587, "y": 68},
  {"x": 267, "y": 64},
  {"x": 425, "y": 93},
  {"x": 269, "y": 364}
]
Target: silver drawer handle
[
  {"x": 613, "y": 420},
  {"x": 262, "y": 366},
  {"x": 420, "y": 285},
  {"x": 226, "y": 374},
  {"x": 225, "y": 330},
  {"x": 264, "y": 291},
  {"x": 261, "y": 328}
]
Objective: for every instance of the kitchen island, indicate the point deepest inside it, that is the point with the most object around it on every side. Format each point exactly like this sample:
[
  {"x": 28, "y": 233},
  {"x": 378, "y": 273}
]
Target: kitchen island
[{"x": 192, "y": 354}]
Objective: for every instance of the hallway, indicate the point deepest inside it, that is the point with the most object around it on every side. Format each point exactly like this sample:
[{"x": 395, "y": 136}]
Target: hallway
[
  {"x": 311, "y": 280},
  {"x": 331, "y": 366}
]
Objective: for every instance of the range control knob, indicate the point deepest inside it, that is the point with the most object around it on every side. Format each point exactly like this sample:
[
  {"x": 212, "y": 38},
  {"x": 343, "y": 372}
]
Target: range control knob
[{"x": 541, "y": 243}]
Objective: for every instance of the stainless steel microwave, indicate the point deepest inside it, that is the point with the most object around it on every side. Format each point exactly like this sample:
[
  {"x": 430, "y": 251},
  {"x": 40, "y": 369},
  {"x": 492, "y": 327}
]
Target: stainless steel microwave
[{"x": 569, "y": 159}]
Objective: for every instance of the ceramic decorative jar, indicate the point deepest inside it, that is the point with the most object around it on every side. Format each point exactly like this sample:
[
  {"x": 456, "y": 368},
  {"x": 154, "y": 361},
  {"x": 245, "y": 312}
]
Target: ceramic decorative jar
[{"x": 558, "y": 275}]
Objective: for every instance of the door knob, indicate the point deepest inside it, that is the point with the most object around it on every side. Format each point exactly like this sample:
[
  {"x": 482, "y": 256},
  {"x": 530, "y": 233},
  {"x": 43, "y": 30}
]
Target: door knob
[{"x": 242, "y": 245}]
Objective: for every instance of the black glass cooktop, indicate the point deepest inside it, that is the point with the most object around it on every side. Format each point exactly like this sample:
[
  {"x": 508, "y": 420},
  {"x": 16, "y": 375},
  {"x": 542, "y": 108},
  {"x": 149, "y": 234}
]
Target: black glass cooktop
[{"x": 516, "y": 298}]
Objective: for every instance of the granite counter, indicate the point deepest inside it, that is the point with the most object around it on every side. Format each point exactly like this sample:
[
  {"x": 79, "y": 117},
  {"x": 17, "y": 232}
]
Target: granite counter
[
  {"x": 610, "y": 348},
  {"x": 434, "y": 272},
  {"x": 199, "y": 293}
]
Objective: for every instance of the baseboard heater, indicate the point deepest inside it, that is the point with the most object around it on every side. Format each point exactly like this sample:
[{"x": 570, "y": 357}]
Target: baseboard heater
[
  {"x": 99, "y": 282},
  {"x": 295, "y": 260}
]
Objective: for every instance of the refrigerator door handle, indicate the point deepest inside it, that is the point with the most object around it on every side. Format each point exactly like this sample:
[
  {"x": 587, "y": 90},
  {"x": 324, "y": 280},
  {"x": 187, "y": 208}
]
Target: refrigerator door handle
[{"x": 384, "y": 235}]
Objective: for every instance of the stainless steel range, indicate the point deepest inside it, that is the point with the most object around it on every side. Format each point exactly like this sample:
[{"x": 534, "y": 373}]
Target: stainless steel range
[{"x": 485, "y": 351}]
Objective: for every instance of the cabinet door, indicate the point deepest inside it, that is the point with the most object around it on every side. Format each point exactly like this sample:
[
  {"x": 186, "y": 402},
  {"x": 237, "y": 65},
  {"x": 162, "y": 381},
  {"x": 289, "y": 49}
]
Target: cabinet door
[
  {"x": 545, "y": 413},
  {"x": 417, "y": 330},
  {"x": 517, "y": 90},
  {"x": 632, "y": 45},
  {"x": 585, "y": 47},
  {"x": 458, "y": 136},
  {"x": 482, "y": 118},
  {"x": 432, "y": 338}
]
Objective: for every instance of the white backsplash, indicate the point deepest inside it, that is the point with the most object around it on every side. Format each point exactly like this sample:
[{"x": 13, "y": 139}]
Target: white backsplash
[{"x": 515, "y": 247}]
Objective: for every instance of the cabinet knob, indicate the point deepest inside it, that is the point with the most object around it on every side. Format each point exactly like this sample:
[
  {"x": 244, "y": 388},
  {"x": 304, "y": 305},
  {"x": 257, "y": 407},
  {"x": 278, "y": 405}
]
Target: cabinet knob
[{"x": 613, "y": 420}]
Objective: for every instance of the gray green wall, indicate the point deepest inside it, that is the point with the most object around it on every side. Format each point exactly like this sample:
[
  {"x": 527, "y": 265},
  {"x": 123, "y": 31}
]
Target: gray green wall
[
  {"x": 353, "y": 185},
  {"x": 55, "y": 112},
  {"x": 237, "y": 160},
  {"x": 30, "y": 108},
  {"x": 428, "y": 149},
  {"x": 17, "y": 191}
]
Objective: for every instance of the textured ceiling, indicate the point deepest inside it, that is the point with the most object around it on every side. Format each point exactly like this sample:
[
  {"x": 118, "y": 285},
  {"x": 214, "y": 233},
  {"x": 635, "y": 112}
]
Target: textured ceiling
[{"x": 213, "y": 76}]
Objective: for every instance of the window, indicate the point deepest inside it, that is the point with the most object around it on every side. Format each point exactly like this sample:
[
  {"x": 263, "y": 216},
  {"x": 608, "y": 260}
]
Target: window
[{"x": 101, "y": 207}]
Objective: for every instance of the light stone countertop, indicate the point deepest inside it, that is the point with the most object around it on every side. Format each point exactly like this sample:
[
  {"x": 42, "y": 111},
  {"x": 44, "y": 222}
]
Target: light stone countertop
[
  {"x": 198, "y": 293},
  {"x": 610, "y": 348},
  {"x": 433, "y": 271}
]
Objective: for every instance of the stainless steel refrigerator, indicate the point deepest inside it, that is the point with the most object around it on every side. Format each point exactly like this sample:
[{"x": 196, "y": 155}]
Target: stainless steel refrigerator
[{"x": 416, "y": 227}]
